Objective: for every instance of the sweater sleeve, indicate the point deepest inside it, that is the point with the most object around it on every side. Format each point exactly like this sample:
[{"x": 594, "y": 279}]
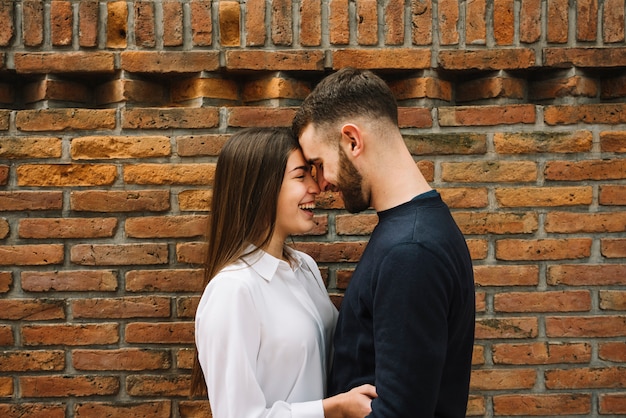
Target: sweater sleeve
[
  {"x": 410, "y": 299},
  {"x": 228, "y": 336}
]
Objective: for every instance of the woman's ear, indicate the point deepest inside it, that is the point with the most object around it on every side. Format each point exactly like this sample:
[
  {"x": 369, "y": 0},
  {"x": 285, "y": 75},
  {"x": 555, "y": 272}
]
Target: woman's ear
[{"x": 351, "y": 139}]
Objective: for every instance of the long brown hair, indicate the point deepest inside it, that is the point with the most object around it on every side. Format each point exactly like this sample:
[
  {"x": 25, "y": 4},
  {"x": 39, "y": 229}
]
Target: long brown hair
[{"x": 249, "y": 174}]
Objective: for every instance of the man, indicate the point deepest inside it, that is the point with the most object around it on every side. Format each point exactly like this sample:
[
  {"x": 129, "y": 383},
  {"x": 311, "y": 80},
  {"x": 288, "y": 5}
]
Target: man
[{"x": 406, "y": 322}]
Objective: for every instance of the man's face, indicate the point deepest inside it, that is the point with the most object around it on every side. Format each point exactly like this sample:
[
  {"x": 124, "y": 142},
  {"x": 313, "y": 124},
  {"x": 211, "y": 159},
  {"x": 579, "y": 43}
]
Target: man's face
[{"x": 333, "y": 169}]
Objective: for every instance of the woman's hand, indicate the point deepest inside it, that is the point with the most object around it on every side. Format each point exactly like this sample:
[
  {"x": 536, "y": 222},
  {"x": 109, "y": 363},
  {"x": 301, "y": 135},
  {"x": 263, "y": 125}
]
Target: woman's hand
[{"x": 355, "y": 403}]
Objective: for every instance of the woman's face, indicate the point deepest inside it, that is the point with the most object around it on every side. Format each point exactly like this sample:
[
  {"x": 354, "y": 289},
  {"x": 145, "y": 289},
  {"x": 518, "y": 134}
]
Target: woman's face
[{"x": 296, "y": 199}]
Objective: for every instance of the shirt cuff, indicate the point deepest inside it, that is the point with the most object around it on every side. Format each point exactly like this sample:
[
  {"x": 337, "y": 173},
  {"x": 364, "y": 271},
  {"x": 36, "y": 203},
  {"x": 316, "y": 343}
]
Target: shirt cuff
[{"x": 311, "y": 409}]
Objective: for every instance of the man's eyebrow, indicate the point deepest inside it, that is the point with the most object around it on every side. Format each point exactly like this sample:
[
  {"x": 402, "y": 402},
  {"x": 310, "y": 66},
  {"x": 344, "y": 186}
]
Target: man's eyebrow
[{"x": 313, "y": 161}]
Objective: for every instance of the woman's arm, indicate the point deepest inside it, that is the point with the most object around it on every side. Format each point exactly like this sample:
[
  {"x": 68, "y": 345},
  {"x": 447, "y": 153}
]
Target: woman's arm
[{"x": 355, "y": 403}]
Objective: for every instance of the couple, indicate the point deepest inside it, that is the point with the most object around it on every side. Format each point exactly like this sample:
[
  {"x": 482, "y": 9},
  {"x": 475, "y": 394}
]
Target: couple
[{"x": 269, "y": 341}]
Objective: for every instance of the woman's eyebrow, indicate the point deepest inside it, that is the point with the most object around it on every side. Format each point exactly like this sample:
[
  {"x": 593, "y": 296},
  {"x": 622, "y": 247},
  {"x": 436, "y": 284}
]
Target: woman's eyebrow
[{"x": 306, "y": 167}]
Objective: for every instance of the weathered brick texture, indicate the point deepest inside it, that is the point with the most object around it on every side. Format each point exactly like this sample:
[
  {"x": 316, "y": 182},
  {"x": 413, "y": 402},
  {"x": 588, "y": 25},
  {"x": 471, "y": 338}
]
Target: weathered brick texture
[{"x": 113, "y": 113}]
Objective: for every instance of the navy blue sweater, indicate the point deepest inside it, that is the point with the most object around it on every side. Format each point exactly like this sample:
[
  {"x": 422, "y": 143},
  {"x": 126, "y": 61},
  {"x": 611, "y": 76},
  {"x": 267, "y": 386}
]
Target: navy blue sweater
[{"x": 406, "y": 322}]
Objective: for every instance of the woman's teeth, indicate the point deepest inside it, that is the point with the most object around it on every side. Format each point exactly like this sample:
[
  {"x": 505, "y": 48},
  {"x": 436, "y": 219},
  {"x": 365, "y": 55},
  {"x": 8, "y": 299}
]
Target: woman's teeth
[{"x": 307, "y": 206}]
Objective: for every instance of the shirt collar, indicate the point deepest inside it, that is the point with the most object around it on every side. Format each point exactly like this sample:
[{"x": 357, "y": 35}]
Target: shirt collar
[{"x": 266, "y": 265}]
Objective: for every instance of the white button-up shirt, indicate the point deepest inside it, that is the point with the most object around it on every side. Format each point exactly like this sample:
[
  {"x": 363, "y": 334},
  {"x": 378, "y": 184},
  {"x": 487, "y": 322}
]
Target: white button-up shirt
[{"x": 263, "y": 333}]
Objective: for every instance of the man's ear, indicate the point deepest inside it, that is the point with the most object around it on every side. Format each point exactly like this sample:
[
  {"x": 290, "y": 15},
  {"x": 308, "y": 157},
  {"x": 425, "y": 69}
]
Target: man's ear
[{"x": 352, "y": 139}]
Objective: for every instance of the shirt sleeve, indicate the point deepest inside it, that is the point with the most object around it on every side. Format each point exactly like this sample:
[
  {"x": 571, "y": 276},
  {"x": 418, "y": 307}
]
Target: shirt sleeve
[
  {"x": 410, "y": 332},
  {"x": 228, "y": 333}
]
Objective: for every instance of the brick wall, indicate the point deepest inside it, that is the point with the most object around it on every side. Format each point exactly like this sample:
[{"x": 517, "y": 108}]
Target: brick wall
[{"x": 111, "y": 117}]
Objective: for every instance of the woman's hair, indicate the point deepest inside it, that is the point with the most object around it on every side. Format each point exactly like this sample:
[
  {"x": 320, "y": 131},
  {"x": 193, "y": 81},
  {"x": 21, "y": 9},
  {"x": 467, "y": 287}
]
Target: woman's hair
[
  {"x": 248, "y": 177},
  {"x": 348, "y": 93}
]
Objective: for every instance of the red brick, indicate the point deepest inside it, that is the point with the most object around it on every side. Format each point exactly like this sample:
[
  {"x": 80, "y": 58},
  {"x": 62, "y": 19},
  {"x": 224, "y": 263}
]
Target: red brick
[
  {"x": 556, "y": 301},
  {"x": 530, "y": 21},
  {"x": 486, "y": 115},
  {"x": 166, "y": 226},
  {"x": 145, "y": 24},
  {"x": 31, "y": 309},
  {"x": 504, "y": 22},
  {"x": 487, "y": 380},
  {"x": 173, "y": 23},
  {"x": 421, "y": 87},
  {"x": 64, "y": 62},
  {"x": 541, "y": 353},
  {"x": 464, "y": 197},
  {"x": 6, "y": 336},
  {"x": 32, "y": 23},
  {"x": 544, "y": 196},
  {"x": 33, "y": 410},
  {"x": 542, "y": 404},
  {"x": 585, "y": 57},
  {"x": 120, "y": 201},
  {"x": 13, "y": 147},
  {"x": 283, "y": 60},
  {"x": 491, "y": 88},
  {"x": 571, "y": 223},
  {"x": 478, "y": 248},
  {"x": 60, "y": 175},
  {"x": 509, "y": 275},
  {"x": 414, "y": 117},
  {"x": 367, "y": 22},
  {"x": 361, "y": 224},
  {"x": 607, "y": 377},
  {"x": 422, "y": 22},
  {"x": 586, "y": 326},
  {"x": 88, "y": 14},
  {"x": 56, "y": 90},
  {"x": 7, "y": 92},
  {"x": 586, "y": 274},
  {"x": 127, "y": 359},
  {"x": 70, "y": 334},
  {"x": 152, "y": 409},
  {"x": 575, "y": 86},
  {"x": 143, "y": 385},
  {"x": 185, "y": 91},
  {"x": 558, "y": 21},
  {"x": 488, "y": 59},
  {"x": 229, "y": 21},
  {"x": 201, "y": 24},
  {"x": 64, "y": 119},
  {"x": 388, "y": 58},
  {"x": 124, "y": 308},
  {"x": 489, "y": 171},
  {"x": 611, "y": 88},
  {"x": 131, "y": 91},
  {"x": 31, "y": 255},
  {"x": 311, "y": 23},
  {"x": 612, "y": 403},
  {"x": 394, "y": 22},
  {"x": 613, "y": 21},
  {"x": 32, "y": 360},
  {"x": 170, "y": 118},
  {"x": 255, "y": 23},
  {"x": 613, "y": 141},
  {"x": 543, "y": 249},
  {"x": 273, "y": 87},
  {"x": 613, "y": 300},
  {"x": 333, "y": 252},
  {"x": 586, "y": 20},
  {"x": 496, "y": 223},
  {"x": 167, "y": 62},
  {"x": 612, "y": 195},
  {"x": 6, "y": 18},
  {"x": 63, "y": 386},
  {"x": 613, "y": 248},
  {"x": 612, "y": 351},
  {"x": 338, "y": 22},
  {"x": 61, "y": 22},
  {"x": 198, "y": 174},
  {"x": 448, "y": 21},
  {"x": 250, "y": 116},
  {"x": 191, "y": 252},
  {"x": 585, "y": 170},
  {"x": 117, "y": 24},
  {"x": 116, "y": 147},
  {"x": 200, "y": 145},
  {"x": 281, "y": 22},
  {"x": 119, "y": 254},
  {"x": 476, "y": 22},
  {"x": 179, "y": 280},
  {"x": 496, "y": 328},
  {"x": 542, "y": 142},
  {"x": 64, "y": 228},
  {"x": 159, "y": 332},
  {"x": 69, "y": 281},
  {"x": 6, "y": 282},
  {"x": 30, "y": 200}
]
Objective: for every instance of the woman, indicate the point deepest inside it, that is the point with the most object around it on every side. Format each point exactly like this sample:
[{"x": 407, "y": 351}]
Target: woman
[{"x": 264, "y": 323}]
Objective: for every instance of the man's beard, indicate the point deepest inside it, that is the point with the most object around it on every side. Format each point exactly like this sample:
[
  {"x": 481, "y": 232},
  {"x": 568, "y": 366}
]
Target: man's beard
[{"x": 349, "y": 183}]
